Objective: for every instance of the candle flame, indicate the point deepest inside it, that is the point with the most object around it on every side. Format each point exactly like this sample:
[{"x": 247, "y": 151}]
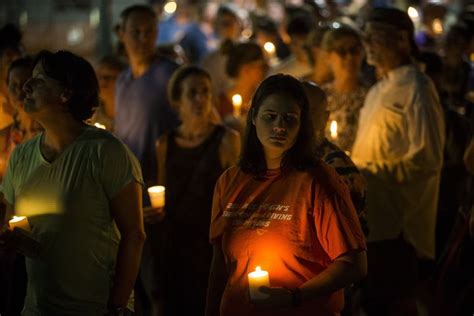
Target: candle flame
[
  {"x": 258, "y": 269},
  {"x": 156, "y": 189},
  {"x": 413, "y": 13},
  {"x": 269, "y": 47},
  {"x": 437, "y": 26},
  {"x": 236, "y": 100},
  {"x": 333, "y": 129},
  {"x": 98, "y": 125},
  {"x": 17, "y": 219}
]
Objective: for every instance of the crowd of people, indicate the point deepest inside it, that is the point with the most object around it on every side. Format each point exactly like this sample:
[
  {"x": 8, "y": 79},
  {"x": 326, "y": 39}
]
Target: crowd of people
[{"x": 333, "y": 151}]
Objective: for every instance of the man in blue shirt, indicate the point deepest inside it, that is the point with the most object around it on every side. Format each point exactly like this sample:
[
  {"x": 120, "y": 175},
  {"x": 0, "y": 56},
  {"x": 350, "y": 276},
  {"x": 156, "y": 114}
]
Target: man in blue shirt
[
  {"x": 142, "y": 109},
  {"x": 142, "y": 115}
]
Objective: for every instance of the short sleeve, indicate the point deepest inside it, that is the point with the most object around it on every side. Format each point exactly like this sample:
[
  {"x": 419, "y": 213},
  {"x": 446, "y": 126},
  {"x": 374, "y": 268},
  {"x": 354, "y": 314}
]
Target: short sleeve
[
  {"x": 7, "y": 186},
  {"x": 337, "y": 225},
  {"x": 119, "y": 168}
]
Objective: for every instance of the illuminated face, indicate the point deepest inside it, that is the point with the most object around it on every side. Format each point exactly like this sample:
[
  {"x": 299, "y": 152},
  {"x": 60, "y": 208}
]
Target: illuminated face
[
  {"x": 196, "y": 97},
  {"x": 277, "y": 124},
  {"x": 43, "y": 94},
  {"x": 16, "y": 79},
  {"x": 139, "y": 35}
]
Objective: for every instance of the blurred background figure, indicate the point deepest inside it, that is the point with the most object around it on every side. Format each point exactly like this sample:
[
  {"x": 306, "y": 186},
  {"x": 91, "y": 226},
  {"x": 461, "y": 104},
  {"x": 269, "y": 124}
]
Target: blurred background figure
[
  {"x": 321, "y": 72},
  {"x": 456, "y": 68},
  {"x": 399, "y": 149},
  {"x": 265, "y": 30},
  {"x": 298, "y": 63},
  {"x": 11, "y": 48},
  {"x": 346, "y": 92},
  {"x": 142, "y": 115},
  {"x": 108, "y": 70},
  {"x": 247, "y": 65},
  {"x": 228, "y": 29},
  {"x": 190, "y": 159}
]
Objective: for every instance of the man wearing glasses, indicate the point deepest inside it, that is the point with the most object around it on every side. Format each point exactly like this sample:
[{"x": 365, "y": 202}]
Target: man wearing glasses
[{"x": 399, "y": 149}]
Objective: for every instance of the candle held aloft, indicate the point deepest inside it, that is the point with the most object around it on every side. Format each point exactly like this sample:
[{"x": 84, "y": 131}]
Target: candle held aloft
[
  {"x": 237, "y": 104},
  {"x": 157, "y": 195},
  {"x": 20, "y": 222},
  {"x": 333, "y": 129},
  {"x": 257, "y": 279}
]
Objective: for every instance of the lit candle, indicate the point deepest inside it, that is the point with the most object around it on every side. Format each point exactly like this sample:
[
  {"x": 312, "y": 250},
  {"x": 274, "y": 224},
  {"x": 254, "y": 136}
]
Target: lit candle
[
  {"x": 437, "y": 26},
  {"x": 98, "y": 125},
  {"x": 257, "y": 279},
  {"x": 269, "y": 47},
  {"x": 20, "y": 222},
  {"x": 157, "y": 196},
  {"x": 237, "y": 104},
  {"x": 333, "y": 129}
]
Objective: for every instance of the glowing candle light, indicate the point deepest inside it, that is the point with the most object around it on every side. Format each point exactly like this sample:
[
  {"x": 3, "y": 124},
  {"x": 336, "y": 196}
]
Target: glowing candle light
[
  {"x": 270, "y": 48},
  {"x": 257, "y": 279},
  {"x": 237, "y": 104},
  {"x": 157, "y": 195},
  {"x": 98, "y": 125},
  {"x": 20, "y": 222},
  {"x": 437, "y": 26},
  {"x": 333, "y": 129},
  {"x": 170, "y": 7},
  {"x": 413, "y": 13}
]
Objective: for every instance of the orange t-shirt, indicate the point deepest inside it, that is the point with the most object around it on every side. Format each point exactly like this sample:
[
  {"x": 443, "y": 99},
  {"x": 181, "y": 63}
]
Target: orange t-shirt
[{"x": 291, "y": 224}]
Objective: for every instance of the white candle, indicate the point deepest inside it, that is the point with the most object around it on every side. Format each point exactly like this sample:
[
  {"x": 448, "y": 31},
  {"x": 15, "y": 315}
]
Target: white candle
[
  {"x": 157, "y": 196},
  {"x": 333, "y": 129},
  {"x": 257, "y": 279},
  {"x": 20, "y": 222},
  {"x": 237, "y": 104}
]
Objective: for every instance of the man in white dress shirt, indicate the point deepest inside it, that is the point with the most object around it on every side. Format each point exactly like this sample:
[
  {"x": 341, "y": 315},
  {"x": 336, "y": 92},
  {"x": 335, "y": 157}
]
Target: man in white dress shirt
[{"x": 399, "y": 149}]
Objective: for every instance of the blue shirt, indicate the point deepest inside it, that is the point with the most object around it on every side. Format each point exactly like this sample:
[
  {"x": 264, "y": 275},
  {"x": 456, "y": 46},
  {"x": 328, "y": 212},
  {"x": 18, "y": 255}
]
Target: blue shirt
[{"x": 143, "y": 112}]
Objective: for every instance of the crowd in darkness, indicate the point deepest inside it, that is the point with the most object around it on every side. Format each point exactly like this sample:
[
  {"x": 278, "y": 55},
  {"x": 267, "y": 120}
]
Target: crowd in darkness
[{"x": 332, "y": 150}]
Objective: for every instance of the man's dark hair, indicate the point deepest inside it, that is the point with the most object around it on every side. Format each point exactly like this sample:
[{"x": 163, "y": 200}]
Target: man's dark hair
[
  {"x": 300, "y": 25},
  {"x": 240, "y": 54},
  {"x": 303, "y": 155},
  {"x": 24, "y": 62},
  {"x": 398, "y": 19},
  {"x": 141, "y": 8},
  {"x": 75, "y": 74}
]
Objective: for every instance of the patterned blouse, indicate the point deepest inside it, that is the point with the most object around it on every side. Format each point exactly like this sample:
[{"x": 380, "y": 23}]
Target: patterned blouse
[
  {"x": 342, "y": 163},
  {"x": 344, "y": 109}
]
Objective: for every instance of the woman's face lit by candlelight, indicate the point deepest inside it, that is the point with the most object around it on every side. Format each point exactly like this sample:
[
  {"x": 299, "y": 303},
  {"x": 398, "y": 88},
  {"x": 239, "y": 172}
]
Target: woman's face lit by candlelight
[{"x": 277, "y": 123}]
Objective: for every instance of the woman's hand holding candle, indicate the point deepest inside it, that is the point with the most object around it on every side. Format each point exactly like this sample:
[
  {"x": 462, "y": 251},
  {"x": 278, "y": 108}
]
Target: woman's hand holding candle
[
  {"x": 275, "y": 297},
  {"x": 155, "y": 213},
  {"x": 257, "y": 279}
]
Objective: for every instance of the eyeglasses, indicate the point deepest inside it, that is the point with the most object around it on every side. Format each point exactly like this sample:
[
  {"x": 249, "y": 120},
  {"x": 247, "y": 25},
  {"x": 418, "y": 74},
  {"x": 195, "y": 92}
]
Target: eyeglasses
[{"x": 344, "y": 51}]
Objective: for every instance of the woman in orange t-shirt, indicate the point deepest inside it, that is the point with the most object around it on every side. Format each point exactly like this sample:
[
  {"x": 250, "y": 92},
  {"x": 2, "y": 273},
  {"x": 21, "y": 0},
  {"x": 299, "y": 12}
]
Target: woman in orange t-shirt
[{"x": 285, "y": 211}]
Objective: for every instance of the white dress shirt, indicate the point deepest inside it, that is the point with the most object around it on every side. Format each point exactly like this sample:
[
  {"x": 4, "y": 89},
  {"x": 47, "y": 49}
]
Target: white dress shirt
[{"x": 399, "y": 147}]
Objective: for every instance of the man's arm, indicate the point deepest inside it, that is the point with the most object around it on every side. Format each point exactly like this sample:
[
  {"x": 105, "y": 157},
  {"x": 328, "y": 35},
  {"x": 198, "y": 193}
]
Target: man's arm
[{"x": 126, "y": 209}]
